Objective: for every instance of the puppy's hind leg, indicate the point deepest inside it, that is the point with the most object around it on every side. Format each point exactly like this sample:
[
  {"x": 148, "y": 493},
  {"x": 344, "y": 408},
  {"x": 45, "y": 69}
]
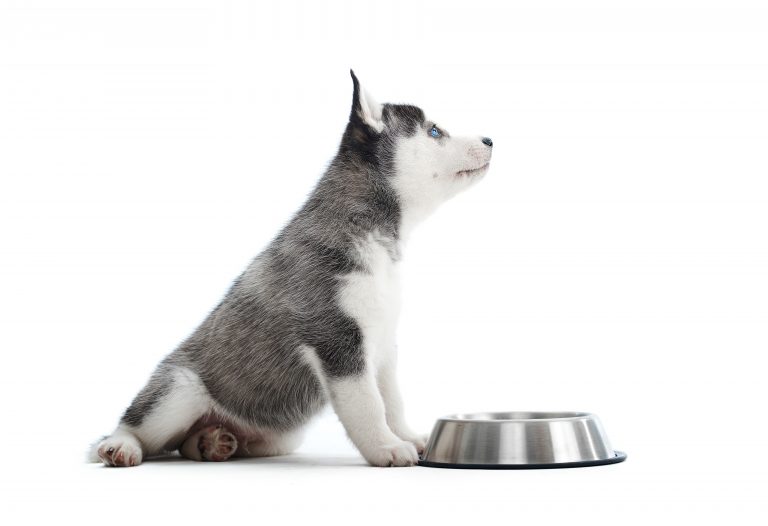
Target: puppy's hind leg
[
  {"x": 271, "y": 443},
  {"x": 216, "y": 439},
  {"x": 158, "y": 418},
  {"x": 213, "y": 442}
]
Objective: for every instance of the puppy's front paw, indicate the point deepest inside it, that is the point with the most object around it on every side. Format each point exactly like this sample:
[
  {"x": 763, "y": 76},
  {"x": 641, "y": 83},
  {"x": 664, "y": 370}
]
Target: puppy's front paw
[
  {"x": 419, "y": 441},
  {"x": 399, "y": 454}
]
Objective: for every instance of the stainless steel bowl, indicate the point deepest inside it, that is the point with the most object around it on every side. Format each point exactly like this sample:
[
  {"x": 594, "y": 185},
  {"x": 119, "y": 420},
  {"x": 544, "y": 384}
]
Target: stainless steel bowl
[{"x": 519, "y": 440}]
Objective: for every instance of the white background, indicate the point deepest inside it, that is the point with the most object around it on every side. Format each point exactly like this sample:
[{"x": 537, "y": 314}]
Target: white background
[{"x": 614, "y": 259}]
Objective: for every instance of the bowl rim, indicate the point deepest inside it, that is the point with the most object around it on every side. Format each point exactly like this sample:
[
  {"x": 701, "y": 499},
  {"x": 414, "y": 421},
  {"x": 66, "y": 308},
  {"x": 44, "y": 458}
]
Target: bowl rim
[{"x": 470, "y": 417}]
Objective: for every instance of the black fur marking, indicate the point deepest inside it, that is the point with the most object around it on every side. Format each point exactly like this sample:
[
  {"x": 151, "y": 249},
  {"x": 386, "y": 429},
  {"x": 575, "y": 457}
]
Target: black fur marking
[
  {"x": 355, "y": 114},
  {"x": 403, "y": 118}
]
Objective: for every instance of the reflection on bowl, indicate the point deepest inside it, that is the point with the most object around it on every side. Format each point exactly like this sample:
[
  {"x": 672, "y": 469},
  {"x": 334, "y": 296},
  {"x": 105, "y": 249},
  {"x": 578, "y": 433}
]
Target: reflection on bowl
[{"x": 519, "y": 440}]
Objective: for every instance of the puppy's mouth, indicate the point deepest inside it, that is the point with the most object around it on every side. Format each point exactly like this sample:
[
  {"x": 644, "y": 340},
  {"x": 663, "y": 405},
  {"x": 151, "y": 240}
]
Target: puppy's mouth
[{"x": 473, "y": 171}]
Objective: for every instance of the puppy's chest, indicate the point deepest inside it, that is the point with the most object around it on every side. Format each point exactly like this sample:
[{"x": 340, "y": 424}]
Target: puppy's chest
[{"x": 372, "y": 298}]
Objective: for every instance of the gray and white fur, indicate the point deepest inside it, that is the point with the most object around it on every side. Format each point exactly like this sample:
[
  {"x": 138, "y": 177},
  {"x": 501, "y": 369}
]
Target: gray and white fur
[{"x": 312, "y": 319}]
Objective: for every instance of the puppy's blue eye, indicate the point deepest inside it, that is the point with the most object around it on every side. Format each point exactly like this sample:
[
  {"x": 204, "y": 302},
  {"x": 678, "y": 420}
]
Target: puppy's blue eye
[{"x": 434, "y": 132}]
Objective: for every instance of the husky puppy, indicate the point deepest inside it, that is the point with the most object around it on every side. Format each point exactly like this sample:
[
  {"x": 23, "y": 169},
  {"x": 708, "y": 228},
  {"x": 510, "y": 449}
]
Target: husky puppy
[{"x": 312, "y": 319}]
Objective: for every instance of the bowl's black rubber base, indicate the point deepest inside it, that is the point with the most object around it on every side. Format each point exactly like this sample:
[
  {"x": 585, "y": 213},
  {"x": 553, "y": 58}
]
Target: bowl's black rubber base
[{"x": 619, "y": 457}]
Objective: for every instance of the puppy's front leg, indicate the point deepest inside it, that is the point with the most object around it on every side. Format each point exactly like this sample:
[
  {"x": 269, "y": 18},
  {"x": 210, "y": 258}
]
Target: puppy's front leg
[
  {"x": 393, "y": 403},
  {"x": 358, "y": 403}
]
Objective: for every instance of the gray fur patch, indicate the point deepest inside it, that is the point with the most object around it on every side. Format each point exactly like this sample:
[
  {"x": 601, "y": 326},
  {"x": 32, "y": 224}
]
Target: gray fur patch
[
  {"x": 246, "y": 352},
  {"x": 157, "y": 388}
]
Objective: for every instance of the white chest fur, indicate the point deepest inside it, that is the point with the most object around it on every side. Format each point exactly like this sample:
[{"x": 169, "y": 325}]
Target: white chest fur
[{"x": 372, "y": 298}]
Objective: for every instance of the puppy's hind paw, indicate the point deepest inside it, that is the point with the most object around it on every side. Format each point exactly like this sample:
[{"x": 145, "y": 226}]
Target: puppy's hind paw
[
  {"x": 213, "y": 443},
  {"x": 120, "y": 451}
]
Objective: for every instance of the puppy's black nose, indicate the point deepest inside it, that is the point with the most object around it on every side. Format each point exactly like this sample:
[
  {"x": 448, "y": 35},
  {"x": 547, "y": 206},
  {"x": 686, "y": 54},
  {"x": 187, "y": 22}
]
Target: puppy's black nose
[{"x": 487, "y": 141}]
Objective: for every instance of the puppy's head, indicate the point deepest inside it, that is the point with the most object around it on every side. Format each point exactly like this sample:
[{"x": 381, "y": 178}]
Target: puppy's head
[{"x": 423, "y": 162}]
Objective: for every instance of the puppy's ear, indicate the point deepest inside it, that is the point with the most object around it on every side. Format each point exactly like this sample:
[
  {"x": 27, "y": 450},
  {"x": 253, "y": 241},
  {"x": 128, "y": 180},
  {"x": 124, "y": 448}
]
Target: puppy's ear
[{"x": 365, "y": 110}]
